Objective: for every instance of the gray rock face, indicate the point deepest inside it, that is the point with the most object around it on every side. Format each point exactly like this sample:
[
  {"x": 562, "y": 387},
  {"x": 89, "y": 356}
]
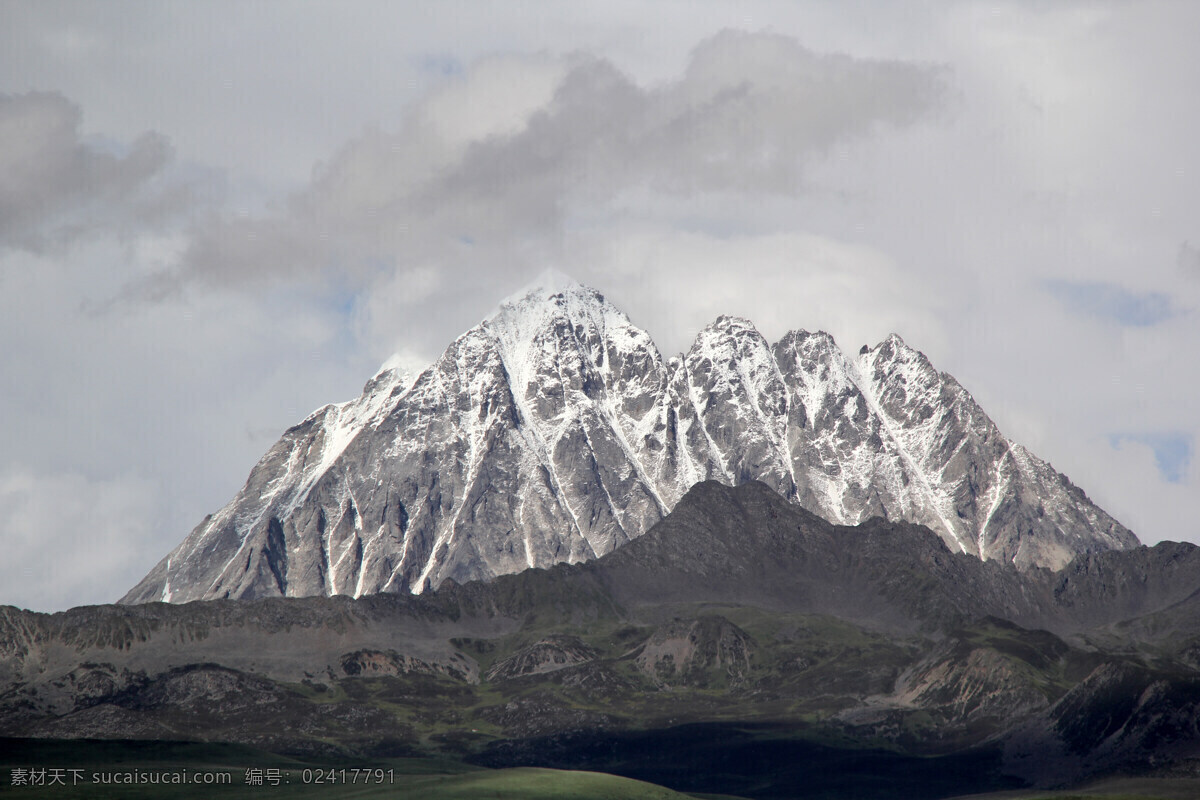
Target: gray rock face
[
  {"x": 553, "y": 653},
  {"x": 555, "y": 432},
  {"x": 688, "y": 650}
]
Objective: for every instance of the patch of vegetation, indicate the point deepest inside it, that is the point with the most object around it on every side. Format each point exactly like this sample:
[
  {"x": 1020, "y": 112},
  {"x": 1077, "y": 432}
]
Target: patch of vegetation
[
  {"x": 757, "y": 761},
  {"x": 125, "y": 769},
  {"x": 532, "y": 784}
]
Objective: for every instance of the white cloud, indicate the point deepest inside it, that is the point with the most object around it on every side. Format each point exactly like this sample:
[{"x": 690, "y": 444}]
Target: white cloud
[
  {"x": 169, "y": 396},
  {"x": 674, "y": 283},
  {"x": 495, "y": 98},
  {"x": 70, "y": 540},
  {"x": 1125, "y": 477},
  {"x": 1189, "y": 260}
]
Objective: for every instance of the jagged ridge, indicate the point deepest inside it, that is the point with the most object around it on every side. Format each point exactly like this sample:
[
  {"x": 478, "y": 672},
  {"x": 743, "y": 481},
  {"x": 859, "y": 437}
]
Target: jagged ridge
[{"x": 555, "y": 431}]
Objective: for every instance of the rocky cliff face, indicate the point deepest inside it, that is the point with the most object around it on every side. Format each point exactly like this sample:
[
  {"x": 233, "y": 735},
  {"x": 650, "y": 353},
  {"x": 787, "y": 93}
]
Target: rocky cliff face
[{"x": 555, "y": 431}]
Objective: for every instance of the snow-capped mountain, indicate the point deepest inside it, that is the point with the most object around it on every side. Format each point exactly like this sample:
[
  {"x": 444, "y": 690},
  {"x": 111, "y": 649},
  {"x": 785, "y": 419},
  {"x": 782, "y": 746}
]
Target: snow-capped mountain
[{"x": 554, "y": 431}]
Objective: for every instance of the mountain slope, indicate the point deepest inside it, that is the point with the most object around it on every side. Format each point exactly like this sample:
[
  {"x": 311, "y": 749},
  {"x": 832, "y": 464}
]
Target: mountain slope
[
  {"x": 555, "y": 431},
  {"x": 739, "y": 615}
]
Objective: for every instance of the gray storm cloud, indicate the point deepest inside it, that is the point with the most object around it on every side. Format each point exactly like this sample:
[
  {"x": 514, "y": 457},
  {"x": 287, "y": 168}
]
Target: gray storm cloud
[
  {"x": 56, "y": 187},
  {"x": 741, "y": 118}
]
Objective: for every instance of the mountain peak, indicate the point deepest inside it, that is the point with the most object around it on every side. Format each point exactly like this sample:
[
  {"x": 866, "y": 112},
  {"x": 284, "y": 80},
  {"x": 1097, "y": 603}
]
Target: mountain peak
[
  {"x": 553, "y": 296},
  {"x": 892, "y": 345},
  {"x": 894, "y": 353},
  {"x": 548, "y": 284},
  {"x": 731, "y": 323},
  {"x": 729, "y": 337},
  {"x": 556, "y": 315},
  {"x": 553, "y": 431}
]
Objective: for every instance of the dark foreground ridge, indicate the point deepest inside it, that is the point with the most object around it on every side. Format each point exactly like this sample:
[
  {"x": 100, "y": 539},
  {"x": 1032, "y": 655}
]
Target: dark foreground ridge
[{"x": 737, "y": 641}]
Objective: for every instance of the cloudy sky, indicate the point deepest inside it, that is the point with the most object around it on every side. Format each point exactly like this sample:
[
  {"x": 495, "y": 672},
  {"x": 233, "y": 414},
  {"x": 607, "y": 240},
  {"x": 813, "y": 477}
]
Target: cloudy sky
[{"x": 216, "y": 217}]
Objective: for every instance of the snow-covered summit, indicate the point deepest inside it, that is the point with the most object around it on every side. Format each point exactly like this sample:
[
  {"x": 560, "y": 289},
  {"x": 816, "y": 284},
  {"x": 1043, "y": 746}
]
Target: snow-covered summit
[
  {"x": 556, "y": 306},
  {"x": 555, "y": 431},
  {"x": 548, "y": 283}
]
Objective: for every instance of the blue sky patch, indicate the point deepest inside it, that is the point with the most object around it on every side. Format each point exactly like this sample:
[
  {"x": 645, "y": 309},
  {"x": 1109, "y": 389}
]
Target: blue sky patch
[
  {"x": 1172, "y": 451},
  {"x": 1109, "y": 301}
]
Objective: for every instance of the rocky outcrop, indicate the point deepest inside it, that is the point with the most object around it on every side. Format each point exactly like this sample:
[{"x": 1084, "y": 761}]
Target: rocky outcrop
[
  {"x": 550, "y": 654},
  {"x": 693, "y": 650}
]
